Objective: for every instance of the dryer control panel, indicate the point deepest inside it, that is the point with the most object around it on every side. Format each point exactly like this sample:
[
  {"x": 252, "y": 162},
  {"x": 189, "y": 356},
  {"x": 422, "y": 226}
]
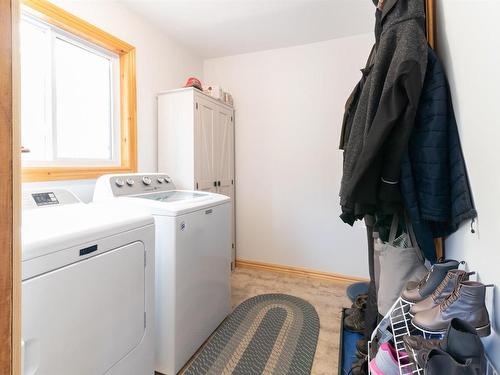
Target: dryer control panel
[{"x": 46, "y": 198}]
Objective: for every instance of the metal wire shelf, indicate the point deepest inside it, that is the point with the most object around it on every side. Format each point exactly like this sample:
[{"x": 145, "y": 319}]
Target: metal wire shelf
[{"x": 399, "y": 321}]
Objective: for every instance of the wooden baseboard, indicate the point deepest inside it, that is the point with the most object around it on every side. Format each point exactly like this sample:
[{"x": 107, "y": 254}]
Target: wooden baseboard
[{"x": 297, "y": 271}]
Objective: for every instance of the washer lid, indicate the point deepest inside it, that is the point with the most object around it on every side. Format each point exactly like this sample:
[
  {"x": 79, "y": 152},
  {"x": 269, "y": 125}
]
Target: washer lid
[
  {"x": 176, "y": 202},
  {"x": 174, "y": 196},
  {"x": 60, "y": 227}
]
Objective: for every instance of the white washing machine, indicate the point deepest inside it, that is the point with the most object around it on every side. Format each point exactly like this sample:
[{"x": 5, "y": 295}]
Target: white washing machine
[
  {"x": 87, "y": 287},
  {"x": 193, "y": 260}
]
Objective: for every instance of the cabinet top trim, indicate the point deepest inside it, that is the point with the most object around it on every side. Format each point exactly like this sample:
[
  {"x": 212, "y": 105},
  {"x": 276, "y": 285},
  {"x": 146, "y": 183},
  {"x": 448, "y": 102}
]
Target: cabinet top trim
[{"x": 195, "y": 92}]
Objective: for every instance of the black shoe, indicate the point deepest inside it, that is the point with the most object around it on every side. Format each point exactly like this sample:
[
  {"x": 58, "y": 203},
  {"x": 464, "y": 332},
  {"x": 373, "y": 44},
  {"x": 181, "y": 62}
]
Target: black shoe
[
  {"x": 362, "y": 347},
  {"x": 462, "y": 343},
  {"x": 439, "y": 362},
  {"x": 360, "y": 367}
]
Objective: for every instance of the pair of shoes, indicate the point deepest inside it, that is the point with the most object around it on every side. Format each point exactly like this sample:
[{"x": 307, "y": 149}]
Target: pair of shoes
[
  {"x": 386, "y": 361},
  {"x": 354, "y": 319},
  {"x": 460, "y": 352},
  {"x": 416, "y": 291},
  {"x": 466, "y": 301},
  {"x": 452, "y": 279}
]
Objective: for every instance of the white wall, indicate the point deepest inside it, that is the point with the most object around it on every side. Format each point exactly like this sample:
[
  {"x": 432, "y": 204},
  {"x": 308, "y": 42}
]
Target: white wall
[
  {"x": 289, "y": 107},
  {"x": 468, "y": 32},
  {"x": 162, "y": 64}
]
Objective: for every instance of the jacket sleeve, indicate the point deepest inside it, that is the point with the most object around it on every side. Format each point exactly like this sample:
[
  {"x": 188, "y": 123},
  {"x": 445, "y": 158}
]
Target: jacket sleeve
[{"x": 376, "y": 175}]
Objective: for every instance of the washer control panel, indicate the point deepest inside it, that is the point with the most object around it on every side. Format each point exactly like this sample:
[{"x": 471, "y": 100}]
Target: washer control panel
[{"x": 123, "y": 185}]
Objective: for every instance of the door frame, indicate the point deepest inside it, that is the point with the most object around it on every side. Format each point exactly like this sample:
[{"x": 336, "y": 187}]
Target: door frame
[{"x": 10, "y": 186}]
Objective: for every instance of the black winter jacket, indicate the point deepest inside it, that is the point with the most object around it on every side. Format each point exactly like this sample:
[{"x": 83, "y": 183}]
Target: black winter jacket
[
  {"x": 385, "y": 112},
  {"x": 434, "y": 182}
]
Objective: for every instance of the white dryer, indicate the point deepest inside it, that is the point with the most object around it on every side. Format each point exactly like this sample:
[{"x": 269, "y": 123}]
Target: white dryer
[
  {"x": 193, "y": 260},
  {"x": 87, "y": 287}
]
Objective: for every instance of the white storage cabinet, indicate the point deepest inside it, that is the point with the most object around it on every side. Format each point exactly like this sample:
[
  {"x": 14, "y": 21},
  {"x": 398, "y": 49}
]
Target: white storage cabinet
[{"x": 196, "y": 143}]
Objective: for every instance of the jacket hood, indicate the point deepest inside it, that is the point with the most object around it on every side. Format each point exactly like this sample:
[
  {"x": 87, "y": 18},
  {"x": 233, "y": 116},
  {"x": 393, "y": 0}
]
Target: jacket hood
[{"x": 396, "y": 11}]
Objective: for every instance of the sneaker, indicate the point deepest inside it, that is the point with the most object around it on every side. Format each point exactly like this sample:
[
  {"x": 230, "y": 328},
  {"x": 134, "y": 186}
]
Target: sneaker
[{"x": 386, "y": 361}]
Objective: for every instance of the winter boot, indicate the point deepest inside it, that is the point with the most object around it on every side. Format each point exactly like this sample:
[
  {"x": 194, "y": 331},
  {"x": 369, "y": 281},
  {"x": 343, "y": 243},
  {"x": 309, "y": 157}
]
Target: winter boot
[
  {"x": 466, "y": 302},
  {"x": 417, "y": 291},
  {"x": 464, "y": 345},
  {"x": 460, "y": 341},
  {"x": 452, "y": 279},
  {"x": 439, "y": 362}
]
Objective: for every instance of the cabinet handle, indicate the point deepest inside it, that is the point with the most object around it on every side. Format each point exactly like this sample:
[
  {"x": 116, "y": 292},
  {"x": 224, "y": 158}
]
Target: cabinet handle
[
  {"x": 218, "y": 183},
  {"x": 215, "y": 183}
]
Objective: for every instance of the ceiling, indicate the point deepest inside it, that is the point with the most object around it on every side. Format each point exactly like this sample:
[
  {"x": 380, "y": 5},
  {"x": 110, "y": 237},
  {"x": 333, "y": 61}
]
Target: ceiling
[{"x": 214, "y": 28}]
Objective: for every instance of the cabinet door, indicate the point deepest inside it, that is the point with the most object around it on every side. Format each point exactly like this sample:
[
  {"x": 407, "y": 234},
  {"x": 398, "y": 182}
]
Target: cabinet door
[
  {"x": 224, "y": 149},
  {"x": 205, "y": 120},
  {"x": 224, "y": 160}
]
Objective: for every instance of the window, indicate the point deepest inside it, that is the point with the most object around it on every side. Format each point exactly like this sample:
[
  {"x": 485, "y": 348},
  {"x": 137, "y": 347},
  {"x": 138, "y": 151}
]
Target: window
[{"x": 77, "y": 97}]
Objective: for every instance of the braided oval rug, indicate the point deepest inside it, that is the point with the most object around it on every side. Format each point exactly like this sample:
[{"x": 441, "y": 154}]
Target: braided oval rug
[{"x": 266, "y": 334}]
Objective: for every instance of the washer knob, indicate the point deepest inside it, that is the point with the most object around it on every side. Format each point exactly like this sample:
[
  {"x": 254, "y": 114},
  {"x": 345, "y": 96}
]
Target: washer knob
[
  {"x": 130, "y": 182},
  {"x": 160, "y": 180},
  {"x": 146, "y": 180},
  {"x": 119, "y": 182}
]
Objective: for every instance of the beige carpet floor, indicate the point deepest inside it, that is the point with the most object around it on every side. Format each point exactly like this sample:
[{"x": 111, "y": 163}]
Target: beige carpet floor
[{"x": 326, "y": 296}]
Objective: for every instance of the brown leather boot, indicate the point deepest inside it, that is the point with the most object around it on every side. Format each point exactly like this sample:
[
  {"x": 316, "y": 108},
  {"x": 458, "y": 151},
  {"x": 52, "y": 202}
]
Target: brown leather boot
[
  {"x": 466, "y": 302},
  {"x": 417, "y": 291},
  {"x": 451, "y": 281},
  {"x": 414, "y": 344}
]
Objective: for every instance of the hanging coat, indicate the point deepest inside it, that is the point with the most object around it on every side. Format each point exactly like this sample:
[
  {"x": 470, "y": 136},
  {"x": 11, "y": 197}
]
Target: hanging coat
[
  {"x": 434, "y": 182},
  {"x": 385, "y": 113}
]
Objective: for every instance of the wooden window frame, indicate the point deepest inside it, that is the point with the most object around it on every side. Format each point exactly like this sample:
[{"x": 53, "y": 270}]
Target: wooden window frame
[
  {"x": 10, "y": 189},
  {"x": 56, "y": 16}
]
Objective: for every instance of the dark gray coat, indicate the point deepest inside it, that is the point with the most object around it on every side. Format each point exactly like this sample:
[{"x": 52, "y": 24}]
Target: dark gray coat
[{"x": 385, "y": 112}]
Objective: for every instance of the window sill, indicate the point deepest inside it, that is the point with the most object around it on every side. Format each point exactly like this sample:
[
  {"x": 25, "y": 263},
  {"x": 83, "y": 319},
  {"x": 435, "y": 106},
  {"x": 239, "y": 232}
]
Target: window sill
[{"x": 38, "y": 174}]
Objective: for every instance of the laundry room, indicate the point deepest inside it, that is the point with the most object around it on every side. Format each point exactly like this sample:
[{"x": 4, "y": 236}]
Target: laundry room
[{"x": 249, "y": 187}]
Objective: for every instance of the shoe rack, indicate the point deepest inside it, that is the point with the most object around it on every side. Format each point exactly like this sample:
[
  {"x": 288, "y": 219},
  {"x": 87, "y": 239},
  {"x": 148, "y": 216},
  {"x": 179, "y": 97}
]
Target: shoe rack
[{"x": 399, "y": 321}]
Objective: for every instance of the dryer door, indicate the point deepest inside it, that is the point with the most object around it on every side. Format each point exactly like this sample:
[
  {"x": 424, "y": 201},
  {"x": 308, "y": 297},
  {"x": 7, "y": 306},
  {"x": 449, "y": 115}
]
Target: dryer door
[{"x": 85, "y": 317}]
